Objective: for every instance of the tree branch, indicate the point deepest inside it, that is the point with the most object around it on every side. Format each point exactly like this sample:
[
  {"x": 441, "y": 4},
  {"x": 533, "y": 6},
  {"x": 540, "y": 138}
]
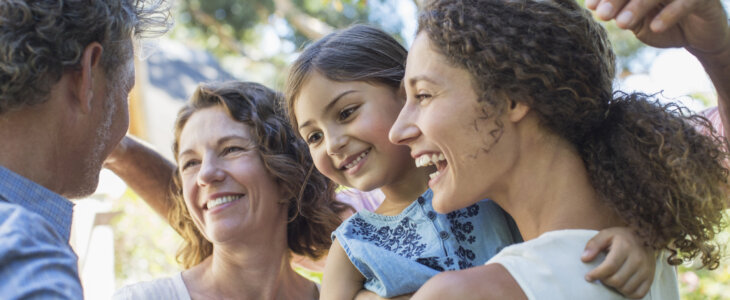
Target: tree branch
[{"x": 311, "y": 27}]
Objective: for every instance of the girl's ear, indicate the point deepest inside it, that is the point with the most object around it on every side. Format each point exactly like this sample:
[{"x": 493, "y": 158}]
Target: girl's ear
[{"x": 517, "y": 110}]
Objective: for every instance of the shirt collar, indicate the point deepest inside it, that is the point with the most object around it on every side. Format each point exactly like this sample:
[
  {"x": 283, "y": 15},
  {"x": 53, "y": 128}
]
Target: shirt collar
[{"x": 55, "y": 209}]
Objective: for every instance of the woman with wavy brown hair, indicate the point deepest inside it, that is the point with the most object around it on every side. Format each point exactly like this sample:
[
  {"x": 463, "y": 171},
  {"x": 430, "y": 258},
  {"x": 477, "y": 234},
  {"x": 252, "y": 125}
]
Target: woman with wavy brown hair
[
  {"x": 515, "y": 98},
  {"x": 246, "y": 198}
]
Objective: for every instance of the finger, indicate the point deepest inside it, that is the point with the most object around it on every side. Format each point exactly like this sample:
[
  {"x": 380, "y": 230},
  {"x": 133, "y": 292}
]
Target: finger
[
  {"x": 595, "y": 245},
  {"x": 591, "y": 4},
  {"x": 630, "y": 287},
  {"x": 620, "y": 278},
  {"x": 607, "y": 9},
  {"x": 634, "y": 12},
  {"x": 642, "y": 290},
  {"x": 607, "y": 268},
  {"x": 671, "y": 14}
]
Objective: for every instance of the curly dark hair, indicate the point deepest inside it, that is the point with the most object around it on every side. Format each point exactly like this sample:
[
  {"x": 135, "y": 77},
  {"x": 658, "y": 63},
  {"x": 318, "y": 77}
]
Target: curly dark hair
[
  {"x": 313, "y": 211},
  {"x": 358, "y": 53},
  {"x": 645, "y": 159},
  {"x": 41, "y": 39}
]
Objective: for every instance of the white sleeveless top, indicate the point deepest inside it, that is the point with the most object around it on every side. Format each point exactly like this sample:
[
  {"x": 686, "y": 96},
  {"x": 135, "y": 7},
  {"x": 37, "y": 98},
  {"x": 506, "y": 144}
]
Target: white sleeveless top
[
  {"x": 171, "y": 287},
  {"x": 549, "y": 267}
]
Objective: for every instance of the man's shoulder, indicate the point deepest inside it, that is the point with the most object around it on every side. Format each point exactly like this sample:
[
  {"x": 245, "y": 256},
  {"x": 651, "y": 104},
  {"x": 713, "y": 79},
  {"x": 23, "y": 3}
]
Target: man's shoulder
[
  {"x": 34, "y": 260},
  {"x": 20, "y": 227}
]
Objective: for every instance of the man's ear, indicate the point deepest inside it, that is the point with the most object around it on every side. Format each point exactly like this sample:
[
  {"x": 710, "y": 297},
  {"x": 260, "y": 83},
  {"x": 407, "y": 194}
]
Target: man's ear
[
  {"x": 88, "y": 73},
  {"x": 517, "y": 110}
]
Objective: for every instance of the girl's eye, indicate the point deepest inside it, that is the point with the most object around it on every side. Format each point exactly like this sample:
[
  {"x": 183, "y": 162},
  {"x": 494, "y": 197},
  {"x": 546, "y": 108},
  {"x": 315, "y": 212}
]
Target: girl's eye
[
  {"x": 314, "y": 138},
  {"x": 189, "y": 163},
  {"x": 347, "y": 112}
]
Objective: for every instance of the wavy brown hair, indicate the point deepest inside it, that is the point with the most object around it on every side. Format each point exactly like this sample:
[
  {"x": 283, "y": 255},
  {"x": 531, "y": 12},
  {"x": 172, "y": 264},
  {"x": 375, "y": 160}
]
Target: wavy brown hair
[
  {"x": 313, "y": 212},
  {"x": 39, "y": 40},
  {"x": 358, "y": 53},
  {"x": 645, "y": 159}
]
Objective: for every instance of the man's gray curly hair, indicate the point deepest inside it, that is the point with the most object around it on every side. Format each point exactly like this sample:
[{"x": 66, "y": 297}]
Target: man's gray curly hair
[{"x": 40, "y": 39}]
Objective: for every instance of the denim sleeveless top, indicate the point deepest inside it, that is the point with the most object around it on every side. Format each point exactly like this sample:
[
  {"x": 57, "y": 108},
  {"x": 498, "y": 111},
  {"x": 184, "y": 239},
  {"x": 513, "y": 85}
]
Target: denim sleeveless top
[{"x": 398, "y": 254}]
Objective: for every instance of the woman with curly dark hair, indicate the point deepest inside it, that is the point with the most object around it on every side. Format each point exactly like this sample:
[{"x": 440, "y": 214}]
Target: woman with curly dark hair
[
  {"x": 515, "y": 100},
  {"x": 245, "y": 198}
]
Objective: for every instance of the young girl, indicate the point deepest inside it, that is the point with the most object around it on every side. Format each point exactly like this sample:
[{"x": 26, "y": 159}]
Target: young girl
[{"x": 343, "y": 95}]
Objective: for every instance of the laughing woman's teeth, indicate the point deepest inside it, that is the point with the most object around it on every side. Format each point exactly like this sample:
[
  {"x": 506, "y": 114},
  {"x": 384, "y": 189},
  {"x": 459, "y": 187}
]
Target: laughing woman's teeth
[
  {"x": 220, "y": 201},
  {"x": 426, "y": 160},
  {"x": 434, "y": 174}
]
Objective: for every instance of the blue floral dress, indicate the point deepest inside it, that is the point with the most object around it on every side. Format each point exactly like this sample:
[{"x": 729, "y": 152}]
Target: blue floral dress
[{"x": 398, "y": 254}]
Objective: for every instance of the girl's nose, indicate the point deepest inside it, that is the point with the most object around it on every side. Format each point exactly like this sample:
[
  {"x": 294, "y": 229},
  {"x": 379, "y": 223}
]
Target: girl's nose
[{"x": 336, "y": 143}]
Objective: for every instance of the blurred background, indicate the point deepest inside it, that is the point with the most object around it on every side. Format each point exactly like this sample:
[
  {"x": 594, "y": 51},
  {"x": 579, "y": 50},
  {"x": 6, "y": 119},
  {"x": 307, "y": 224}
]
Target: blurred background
[{"x": 120, "y": 240}]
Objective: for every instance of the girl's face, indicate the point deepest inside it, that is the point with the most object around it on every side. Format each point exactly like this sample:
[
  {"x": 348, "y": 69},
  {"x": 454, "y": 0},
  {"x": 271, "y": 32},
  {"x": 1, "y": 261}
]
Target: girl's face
[
  {"x": 443, "y": 124},
  {"x": 346, "y": 126},
  {"x": 227, "y": 190}
]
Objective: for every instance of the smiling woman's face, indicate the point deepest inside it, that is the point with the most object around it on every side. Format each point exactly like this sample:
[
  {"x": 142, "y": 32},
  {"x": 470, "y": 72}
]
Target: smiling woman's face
[
  {"x": 444, "y": 125},
  {"x": 226, "y": 187}
]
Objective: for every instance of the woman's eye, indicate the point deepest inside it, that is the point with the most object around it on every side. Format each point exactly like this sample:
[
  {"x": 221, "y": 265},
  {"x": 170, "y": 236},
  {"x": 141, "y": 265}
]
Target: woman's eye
[
  {"x": 420, "y": 97},
  {"x": 314, "y": 138},
  {"x": 231, "y": 149},
  {"x": 345, "y": 113},
  {"x": 189, "y": 163}
]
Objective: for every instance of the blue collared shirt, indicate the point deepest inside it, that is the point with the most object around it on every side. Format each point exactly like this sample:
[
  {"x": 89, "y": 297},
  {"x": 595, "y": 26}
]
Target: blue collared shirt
[{"x": 36, "y": 260}]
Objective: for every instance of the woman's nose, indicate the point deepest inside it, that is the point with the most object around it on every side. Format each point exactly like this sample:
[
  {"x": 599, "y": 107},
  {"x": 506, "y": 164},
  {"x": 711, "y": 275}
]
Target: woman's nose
[
  {"x": 404, "y": 130},
  {"x": 210, "y": 172}
]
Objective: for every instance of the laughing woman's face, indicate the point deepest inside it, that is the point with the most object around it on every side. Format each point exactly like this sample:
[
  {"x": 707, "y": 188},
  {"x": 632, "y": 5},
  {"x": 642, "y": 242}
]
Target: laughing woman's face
[{"x": 445, "y": 126}]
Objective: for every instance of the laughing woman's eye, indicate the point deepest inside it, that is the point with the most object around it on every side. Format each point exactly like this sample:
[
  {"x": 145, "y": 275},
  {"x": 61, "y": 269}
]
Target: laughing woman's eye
[
  {"x": 420, "y": 97},
  {"x": 347, "y": 112},
  {"x": 314, "y": 137}
]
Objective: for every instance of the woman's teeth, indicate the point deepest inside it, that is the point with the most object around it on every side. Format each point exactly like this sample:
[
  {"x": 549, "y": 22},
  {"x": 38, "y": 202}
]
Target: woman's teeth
[
  {"x": 221, "y": 200},
  {"x": 427, "y": 160},
  {"x": 434, "y": 174},
  {"x": 357, "y": 160}
]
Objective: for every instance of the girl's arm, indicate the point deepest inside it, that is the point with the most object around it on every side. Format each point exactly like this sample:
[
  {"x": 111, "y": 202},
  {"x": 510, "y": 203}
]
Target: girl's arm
[
  {"x": 147, "y": 172},
  {"x": 629, "y": 265},
  {"x": 341, "y": 280}
]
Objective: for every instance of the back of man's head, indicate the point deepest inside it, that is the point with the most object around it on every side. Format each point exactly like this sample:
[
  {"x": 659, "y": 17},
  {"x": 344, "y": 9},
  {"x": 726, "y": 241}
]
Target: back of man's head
[{"x": 41, "y": 39}]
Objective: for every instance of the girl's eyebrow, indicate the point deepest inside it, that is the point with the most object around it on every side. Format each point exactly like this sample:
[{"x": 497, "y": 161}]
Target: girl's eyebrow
[
  {"x": 337, "y": 98},
  {"x": 329, "y": 106}
]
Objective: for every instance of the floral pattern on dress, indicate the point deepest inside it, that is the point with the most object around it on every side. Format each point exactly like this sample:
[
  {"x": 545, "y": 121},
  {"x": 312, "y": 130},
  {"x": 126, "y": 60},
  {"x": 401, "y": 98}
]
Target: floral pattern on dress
[
  {"x": 431, "y": 262},
  {"x": 403, "y": 240},
  {"x": 463, "y": 233}
]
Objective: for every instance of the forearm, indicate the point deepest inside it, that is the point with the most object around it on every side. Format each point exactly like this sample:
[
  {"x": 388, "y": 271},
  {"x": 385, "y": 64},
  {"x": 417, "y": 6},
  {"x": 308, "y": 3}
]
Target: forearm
[
  {"x": 147, "y": 172},
  {"x": 717, "y": 66}
]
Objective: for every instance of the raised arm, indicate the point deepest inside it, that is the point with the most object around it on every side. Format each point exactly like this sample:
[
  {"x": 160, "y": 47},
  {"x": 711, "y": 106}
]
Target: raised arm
[
  {"x": 700, "y": 26},
  {"x": 147, "y": 172}
]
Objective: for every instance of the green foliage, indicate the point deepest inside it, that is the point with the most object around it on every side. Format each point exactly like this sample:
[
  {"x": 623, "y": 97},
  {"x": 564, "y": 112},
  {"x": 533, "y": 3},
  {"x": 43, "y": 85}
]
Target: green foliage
[
  {"x": 696, "y": 284},
  {"x": 144, "y": 245}
]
